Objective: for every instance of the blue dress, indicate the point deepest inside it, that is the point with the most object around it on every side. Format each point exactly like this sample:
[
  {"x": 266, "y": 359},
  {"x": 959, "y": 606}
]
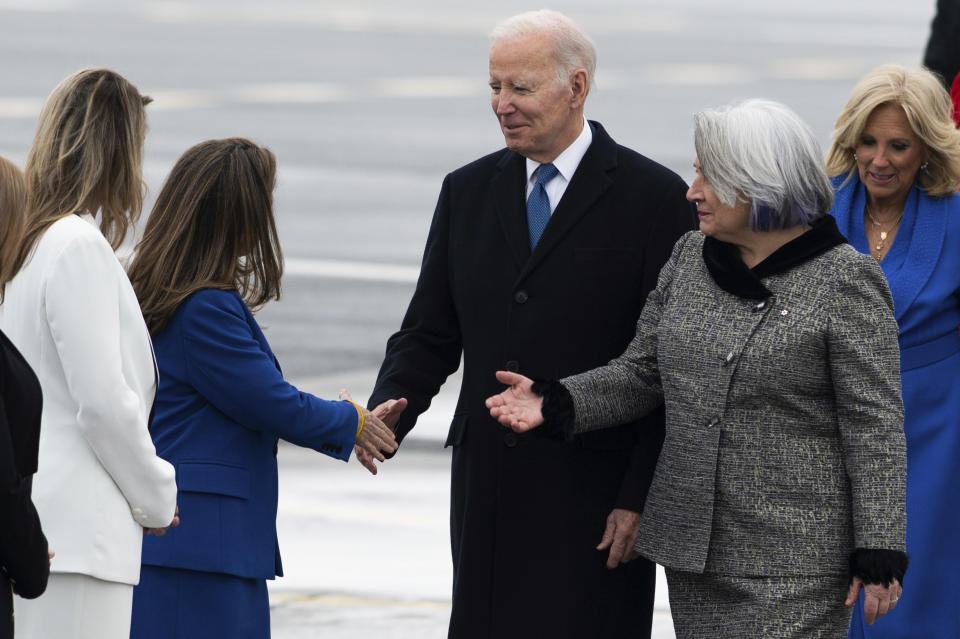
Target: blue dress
[
  {"x": 923, "y": 270},
  {"x": 221, "y": 407}
]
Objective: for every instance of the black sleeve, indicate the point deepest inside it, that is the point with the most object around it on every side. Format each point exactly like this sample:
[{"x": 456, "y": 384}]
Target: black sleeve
[
  {"x": 23, "y": 548},
  {"x": 878, "y": 566},
  {"x": 426, "y": 350}
]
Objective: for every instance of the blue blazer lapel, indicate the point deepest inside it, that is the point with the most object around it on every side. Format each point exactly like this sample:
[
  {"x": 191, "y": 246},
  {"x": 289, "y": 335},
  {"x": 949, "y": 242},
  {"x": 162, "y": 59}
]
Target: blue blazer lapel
[{"x": 925, "y": 245}]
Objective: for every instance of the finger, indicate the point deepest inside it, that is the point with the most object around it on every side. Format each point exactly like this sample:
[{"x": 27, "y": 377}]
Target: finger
[
  {"x": 383, "y": 409},
  {"x": 395, "y": 407},
  {"x": 374, "y": 452},
  {"x": 853, "y": 592},
  {"x": 608, "y": 535},
  {"x": 883, "y": 607},
  {"x": 510, "y": 379},
  {"x": 377, "y": 427},
  {"x": 345, "y": 394},
  {"x": 379, "y": 432},
  {"x": 370, "y": 445},
  {"x": 383, "y": 438},
  {"x": 630, "y": 555},
  {"x": 870, "y": 605},
  {"x": 617, "y": 551},
  {"x": 493, "y": 402},
  {"x": 365, "y": 459}
]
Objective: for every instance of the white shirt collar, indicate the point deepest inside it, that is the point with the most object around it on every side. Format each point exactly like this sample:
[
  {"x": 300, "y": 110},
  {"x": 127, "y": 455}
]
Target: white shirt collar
[{"x": 568, "y": 161}]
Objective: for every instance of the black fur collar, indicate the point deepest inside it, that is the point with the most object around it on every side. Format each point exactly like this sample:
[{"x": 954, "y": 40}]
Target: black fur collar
[{"x": 732, "y": 275}]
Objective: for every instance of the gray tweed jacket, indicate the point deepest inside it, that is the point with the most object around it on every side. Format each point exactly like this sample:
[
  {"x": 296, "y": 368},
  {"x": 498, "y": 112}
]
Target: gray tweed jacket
[{"x": 784, "y": 448}]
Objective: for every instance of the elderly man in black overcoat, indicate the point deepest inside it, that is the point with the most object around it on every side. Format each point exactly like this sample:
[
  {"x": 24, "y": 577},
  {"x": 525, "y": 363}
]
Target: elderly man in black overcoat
[{"x": 538, "y": 260}]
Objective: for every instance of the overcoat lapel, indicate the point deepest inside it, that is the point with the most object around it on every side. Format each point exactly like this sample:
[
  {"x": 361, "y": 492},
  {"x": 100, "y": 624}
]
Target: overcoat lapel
[
  {"x": 589, "y": 182},
  {"x": 507, "y": 192}
]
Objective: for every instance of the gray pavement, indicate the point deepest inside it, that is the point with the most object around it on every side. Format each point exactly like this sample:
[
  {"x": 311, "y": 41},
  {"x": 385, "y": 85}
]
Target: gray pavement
[{"x": 367, "y": 104}]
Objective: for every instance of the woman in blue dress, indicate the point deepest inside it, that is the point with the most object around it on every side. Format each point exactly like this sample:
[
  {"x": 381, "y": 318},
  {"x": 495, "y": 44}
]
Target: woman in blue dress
[
  {"x": 895, "y": 166},
  {"x": 209, "y": 254}
]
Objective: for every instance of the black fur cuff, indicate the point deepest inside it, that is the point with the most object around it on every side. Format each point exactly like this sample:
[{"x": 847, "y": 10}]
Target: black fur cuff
[
  {"x": 878, "y": 566},
  {"x": 557, "y": 410}
]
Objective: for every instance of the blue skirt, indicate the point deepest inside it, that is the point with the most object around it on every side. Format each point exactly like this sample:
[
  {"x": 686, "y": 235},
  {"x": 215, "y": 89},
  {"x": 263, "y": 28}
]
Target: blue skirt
[{"x": 173, "y": 603}]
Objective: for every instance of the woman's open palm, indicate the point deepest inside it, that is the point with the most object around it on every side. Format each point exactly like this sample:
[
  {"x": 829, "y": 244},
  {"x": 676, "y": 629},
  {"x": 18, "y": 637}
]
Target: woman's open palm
[{"x": 517, "y": 407}]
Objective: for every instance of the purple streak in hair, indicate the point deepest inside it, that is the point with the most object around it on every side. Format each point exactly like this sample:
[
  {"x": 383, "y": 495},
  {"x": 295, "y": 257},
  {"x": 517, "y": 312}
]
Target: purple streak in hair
[{"x": 767, "y": 218}]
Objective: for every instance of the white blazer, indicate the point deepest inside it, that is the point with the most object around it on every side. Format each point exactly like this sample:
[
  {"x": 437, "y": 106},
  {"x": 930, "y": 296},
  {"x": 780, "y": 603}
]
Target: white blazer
[{"x": 73, "y": 314}]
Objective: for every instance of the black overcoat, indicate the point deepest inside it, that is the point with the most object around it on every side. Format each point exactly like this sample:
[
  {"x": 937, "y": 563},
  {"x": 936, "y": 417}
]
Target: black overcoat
[{"x": 527, "y": 511}]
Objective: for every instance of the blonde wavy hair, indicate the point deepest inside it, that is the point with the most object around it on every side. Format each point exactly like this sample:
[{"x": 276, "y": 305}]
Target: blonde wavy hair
[
  {"x": 13, "y": 199},
  {"x": 86, "y": 157},
  {"x": 930, "y": 114}
]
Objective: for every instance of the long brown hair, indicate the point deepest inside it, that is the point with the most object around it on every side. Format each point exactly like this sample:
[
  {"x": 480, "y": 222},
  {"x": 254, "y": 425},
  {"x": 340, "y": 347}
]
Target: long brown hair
[
  {"x": 211, "y": 227},
  {"x": 13, "y": 199},
  {"x": 86, "y": 157}
]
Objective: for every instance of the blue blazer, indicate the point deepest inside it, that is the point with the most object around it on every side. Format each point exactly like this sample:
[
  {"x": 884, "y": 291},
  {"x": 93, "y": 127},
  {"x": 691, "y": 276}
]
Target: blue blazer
[{"x": 221, "y": 407}]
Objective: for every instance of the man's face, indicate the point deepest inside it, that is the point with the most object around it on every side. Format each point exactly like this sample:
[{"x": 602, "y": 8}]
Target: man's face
[{"x": 539, "y": 116}]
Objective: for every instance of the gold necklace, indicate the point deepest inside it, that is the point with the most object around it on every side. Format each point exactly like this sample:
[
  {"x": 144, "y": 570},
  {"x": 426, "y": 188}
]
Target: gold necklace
[{"x": 883, "y": 234}]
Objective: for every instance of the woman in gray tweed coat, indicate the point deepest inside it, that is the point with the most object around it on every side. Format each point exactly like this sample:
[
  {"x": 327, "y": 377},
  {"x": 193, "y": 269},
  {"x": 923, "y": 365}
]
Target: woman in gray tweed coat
[{"x": 779, "y": 492}]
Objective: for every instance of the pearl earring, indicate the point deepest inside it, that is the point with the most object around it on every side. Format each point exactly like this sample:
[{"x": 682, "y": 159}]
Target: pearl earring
[
  {"x": 923, "y": 167},
  {"x": 854, "y": 156}
]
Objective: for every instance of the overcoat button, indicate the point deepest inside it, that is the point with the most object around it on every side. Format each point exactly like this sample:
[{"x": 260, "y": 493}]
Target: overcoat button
[
  {"x": 510, "y": 439},
  {"x": 520, "y": 297},
  {"x": 513, "y": 366},
  {"x": 760, "y": 306},
  {"x": 713, "y": 421},
  {"x": 728, "y": 359}
]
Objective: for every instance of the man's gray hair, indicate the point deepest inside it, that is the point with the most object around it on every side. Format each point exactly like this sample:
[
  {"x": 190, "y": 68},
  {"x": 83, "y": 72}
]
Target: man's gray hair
[
  {"x": 573, "y": 49},
  {"x": 761, "y": 152}
]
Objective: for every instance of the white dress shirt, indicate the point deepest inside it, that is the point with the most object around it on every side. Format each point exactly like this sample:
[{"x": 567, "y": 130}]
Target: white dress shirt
[{"x": 566, "y": 163}]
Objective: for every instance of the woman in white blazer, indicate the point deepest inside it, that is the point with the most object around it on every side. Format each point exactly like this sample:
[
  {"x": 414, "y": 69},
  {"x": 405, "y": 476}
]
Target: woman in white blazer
[{"x": 69, "y": 307}]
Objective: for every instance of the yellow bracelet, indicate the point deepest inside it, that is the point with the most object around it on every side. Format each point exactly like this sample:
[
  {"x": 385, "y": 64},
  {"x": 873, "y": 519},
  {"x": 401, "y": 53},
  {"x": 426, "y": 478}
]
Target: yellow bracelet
[{"x": 363, "y": 417}]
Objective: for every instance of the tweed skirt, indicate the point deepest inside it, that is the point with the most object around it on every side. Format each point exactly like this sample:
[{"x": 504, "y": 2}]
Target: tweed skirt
[{"x": 710, "y": 606}]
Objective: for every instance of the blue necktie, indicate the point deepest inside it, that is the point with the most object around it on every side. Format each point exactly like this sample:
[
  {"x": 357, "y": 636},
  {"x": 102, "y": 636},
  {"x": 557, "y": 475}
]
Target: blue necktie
[{"x": 538, "y": 204}]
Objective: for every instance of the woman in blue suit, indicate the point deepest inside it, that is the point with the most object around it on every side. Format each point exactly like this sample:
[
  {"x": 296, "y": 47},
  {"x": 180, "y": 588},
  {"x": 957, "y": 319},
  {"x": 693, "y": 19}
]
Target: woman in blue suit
[
  {"x": 895, "y": 163},
  {"x": 209, "y": 254}
]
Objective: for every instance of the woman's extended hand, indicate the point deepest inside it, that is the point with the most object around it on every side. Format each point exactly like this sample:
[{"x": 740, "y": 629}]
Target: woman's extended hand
[
  {"x": 878, "y": 599},
  {"x": 376, "y": 438},
  {"x": 517, "y": 407}
]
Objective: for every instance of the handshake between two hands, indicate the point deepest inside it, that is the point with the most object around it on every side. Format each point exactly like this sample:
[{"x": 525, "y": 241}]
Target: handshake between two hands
[{"x": 377, "y": 436}]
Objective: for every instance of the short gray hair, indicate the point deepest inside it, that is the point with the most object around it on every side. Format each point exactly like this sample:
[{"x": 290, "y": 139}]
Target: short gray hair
[
  {"x": 573, "y": 49},
  {"x": 763, "y": 153}
]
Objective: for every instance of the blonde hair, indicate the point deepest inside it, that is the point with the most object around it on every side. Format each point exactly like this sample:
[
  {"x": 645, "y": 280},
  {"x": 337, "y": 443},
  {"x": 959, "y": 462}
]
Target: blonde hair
[
  {"x": 211, "y": 227},
  {"x": 86, "y": 157},
  {"x": 13, "y": 199},
  {"x": 930, "y": 114}
]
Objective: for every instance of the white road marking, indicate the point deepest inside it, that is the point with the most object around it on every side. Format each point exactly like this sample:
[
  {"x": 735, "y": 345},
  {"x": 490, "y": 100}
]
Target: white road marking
[{"x": 349, "y": 270}]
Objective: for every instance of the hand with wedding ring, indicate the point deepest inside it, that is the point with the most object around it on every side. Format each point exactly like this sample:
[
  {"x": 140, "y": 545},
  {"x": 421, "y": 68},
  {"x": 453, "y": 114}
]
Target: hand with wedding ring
[{"x": 878, "y": 599}]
